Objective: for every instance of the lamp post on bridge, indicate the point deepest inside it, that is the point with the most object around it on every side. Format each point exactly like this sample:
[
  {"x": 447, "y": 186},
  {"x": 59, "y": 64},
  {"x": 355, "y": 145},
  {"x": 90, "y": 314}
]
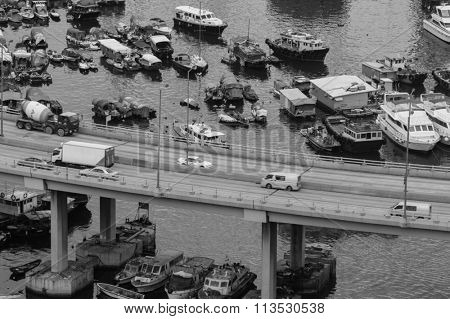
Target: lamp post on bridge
[
  {"x": 159, "y": 138},
  {"x": 187, "y": 113},
  {"x": 1, "y": 84},
  {"x": 407, "y": 156}
]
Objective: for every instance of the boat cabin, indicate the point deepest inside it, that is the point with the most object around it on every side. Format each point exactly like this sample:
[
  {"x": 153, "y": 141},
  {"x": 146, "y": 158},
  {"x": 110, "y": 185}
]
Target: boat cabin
[
  {"x": 297, "y": 104},
  {"x": 161, "y": 263},
  {"x": 203, "y": 133},
  {"x": 376, "y": 71},
  {"x": 396, "y": 64},
  {"x": 19, "y": 202},
  {"x": 161, "y": 45},
  {"x": 300, "y": 41},
  {"x": 192, "y": 14},
  {"x": 113, "y": 49}
]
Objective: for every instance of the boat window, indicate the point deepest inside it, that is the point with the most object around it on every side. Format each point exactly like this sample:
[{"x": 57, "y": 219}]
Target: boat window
[
  {"x": 212, "y": 15},
  {"x": 430, "y": 128},
  {"x": 208, "y": 15},
  {"x": 269, "y": 176},
  {"x": 207, "y": 282},
  {"x": 379, "y": 134},
  {"x": 197, "y": 18},
  {"x": 144, "y": 268},
  {"x": 358, "y": 136},
  {"x": 411, "y": 129},
  {"x": 203, "y": 17},
  {"x": 214, "y": 283},
  {"x": 418, "y": 129},
  {"x": 374, "y": 134},
  {"x": 363, "y": 135},
  {"x": 424, "y": 128},
  {"x": 156, "y": 269},
  {"x": 223, "y": 284}
]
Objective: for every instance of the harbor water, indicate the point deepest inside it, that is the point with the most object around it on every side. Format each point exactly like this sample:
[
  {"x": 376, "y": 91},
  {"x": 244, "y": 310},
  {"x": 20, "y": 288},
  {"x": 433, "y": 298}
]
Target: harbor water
[{"x": 368, "y": 265}]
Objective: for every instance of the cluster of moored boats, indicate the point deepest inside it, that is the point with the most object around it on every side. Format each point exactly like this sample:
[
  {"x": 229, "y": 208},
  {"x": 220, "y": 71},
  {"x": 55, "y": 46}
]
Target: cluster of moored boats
[{"x": 34, "y": 11}]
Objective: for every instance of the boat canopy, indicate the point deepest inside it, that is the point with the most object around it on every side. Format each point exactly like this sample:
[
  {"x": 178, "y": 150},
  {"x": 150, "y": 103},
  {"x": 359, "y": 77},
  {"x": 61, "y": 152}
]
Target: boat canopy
[
  {"x": 21, "y": 54},
  {"x": 115, "y": 46},
  {"x": 150, "y": 58},
  {"x": 35, "y": 94},
  {"x": 76, "y": 33},
  {"x": 230, "y": 81},
  {"x": 159, "y": 39},
  {"x": 142, "y": 45},
  {"x": 39, "y": 58},
  {"x": 71, "y": 53}
]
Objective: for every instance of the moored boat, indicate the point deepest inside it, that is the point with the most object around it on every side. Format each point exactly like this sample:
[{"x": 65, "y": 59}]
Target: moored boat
[
  {"x": 248, "y": 53},
  {"x": 250, "y": 94},
  {"x": 189, "y": 64},
  {"x": 14, "y": 16},
  {"x": 298, "y": 46},
  {"x": 22, "y": 269},
  {"x": 149, "y": 62},
  {"x": 357, "y": 135},
  {"x": 297, "y": 104},
  {"x": 195, "y": 20},
  {"x": 3, "y": 16},
  {"x": 27, "y": 14},
  {"x": 201, "y": 133},
  {"x": 160, "y": 27},
  {"x": 130, "y": 270},
  {"x": 233, "y": 118},
  {"x": 438, "y": 110},
  {"x": 155, "y": 273},
  {"x": 116, "y": 292},
  {"x": 442, "y": 77},
  {"x": 320, "y": 140},
  {"x": 71, "y": 55},
  {"x": 259, "y": 113},
  {"x": 227, "y": 281},
  {"x": 40, "y": 10},
  {"x": 161, "y": 46},
  {"x": 394, "y": 121},
  {"x": 83, "y": 9},
  {"x": 188, "y": 277},
  {"x": 54, "y": 15},
  {"x": 405, "y": 72},
  {"x": 232, "y": 90},
  {"x": 439, "y": 22}
]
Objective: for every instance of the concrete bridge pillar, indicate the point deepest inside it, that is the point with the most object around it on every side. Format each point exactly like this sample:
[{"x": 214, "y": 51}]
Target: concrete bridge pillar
[
  {"x": 269, "y": 260},
  {"x": 59, "y": 230},
  {"x": 107, "y": 219},
  {"x": 297, "y": 246}
]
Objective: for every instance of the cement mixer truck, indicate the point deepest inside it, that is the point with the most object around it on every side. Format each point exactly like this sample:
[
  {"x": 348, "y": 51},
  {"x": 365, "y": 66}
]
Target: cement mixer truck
[{"x": 36, "y": 116}]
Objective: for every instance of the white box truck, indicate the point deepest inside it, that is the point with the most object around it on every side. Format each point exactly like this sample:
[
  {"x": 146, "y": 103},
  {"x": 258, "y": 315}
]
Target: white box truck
[{"x": 82, "y": 155}]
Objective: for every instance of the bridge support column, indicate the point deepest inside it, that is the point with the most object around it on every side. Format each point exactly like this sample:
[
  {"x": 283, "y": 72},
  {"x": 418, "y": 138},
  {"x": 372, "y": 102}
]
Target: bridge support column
[
  {"x": 59, "y": 230},
  {"x": 269, "y": 260},
  {"x": 107, "y": 219},
  {"x": 297, "y": 246}
]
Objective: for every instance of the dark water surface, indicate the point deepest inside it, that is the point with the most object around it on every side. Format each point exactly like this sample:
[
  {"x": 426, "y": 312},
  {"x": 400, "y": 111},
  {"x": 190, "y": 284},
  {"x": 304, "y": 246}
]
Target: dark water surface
[{"x": 369, "y": 265}]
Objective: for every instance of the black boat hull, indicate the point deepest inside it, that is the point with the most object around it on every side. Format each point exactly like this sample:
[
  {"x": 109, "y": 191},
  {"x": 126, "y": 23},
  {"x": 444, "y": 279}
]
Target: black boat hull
[
  {"x": 414, "y": 79},
  {"x": 441, "y": 81},
  {"x": 211, "y": 30},
  {"x": 84, "y": 15},
  {"x": 288, "y": 54}
]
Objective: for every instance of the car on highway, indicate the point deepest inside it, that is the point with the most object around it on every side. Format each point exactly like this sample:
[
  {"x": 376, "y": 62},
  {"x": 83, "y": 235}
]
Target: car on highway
[
  {"x": 100, "y": 172},
  {"x": 281, "y": 180},
  {"x": 35, "y": 163},
  {"x": 194, "y": 161}
]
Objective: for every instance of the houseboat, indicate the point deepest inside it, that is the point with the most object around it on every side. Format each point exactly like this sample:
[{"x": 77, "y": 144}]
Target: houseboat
[
  {"x": 83, "y": 9},
  {"x": 439, "y": 22},
  {"x": 442, "y": 77},
  {"x": 161, "y": 46},
  {"x": 356, "y": 135},
  {"x": 160, "y": 27},
  {"x": 405, "y": 72},
  {"x": 376, "y": 71},
  {"x": 198, "y": 20},
  {"x": 394, "y": 120},
  {"x": 189, "y": 64},
  {"x": 297, "y": 104},
  {"x": 228, "y": 281},
  {"x": 188, "y": 277},
  {"x": 247, "y": 52},
  {"x": 19, "y": 202},
  {"x": 298, "y": 46},
  {"x": 341, "y": 92},
  {"x": 155, "y": 274},
  {"x": 438, "y": 111},
  {"x": 319, "y": 139}
]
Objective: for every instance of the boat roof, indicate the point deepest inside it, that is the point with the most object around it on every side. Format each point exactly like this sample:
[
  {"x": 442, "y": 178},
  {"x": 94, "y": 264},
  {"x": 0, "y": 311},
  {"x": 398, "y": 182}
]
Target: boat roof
[
  {"x": 150, "y": 58},
  {"x": 205, "y": 130},
  {"x": 337, "y": 86},
  {"x": 159, "y": 38},
  {"x": 379, "y": 66},
  {"x": 166, "y": 256},
  {"x": 115, "y": 45},
  {"x": 193, "y": 10},
  {"x": 139, "y": 260}
]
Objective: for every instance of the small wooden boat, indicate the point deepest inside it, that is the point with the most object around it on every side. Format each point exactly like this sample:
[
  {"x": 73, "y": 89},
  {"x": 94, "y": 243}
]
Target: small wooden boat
[
  {"x": 250, "y": 94},
  {"x": 193, "y": 104},
  {"x": 3, "y": 16},
  {"x": 442, "y": 77},
  {"x": 116, "y": 65},
  {"x": 233, "y": 118},
  {"x": 21, "y": 270},
  {"x": 360, "y": 112},
  {"x": 116, "y": 292},
  {"x": 14, "y": 16},
  {"x": 70, "y": 55},
  {"x": 83, "y": 66},
  {"x": 54, "y": 15},
  {"x": 27, "y": 14},
  {"x": 93, "y": 66}
]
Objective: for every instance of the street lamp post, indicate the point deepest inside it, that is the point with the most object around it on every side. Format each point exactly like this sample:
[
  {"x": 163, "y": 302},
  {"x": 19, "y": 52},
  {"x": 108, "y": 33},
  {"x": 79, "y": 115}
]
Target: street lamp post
[
  {"x": 187, "y": 115},
  {"x": 2, "y": 88},
  {"x": 407, "y": 158},
  {"x": 159, "y": 139}
]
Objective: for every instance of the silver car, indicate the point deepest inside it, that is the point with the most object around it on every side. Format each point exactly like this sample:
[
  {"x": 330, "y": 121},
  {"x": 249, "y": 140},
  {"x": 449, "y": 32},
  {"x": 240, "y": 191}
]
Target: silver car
[{"x": 100, "y": 172}]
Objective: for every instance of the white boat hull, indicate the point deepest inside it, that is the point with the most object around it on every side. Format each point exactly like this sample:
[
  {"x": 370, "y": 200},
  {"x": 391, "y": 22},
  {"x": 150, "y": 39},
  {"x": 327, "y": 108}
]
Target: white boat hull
[
  {"x": 400, "y": 140},
  {"x": 438, "y": 32},
  {"x": 151, "y": 286}
]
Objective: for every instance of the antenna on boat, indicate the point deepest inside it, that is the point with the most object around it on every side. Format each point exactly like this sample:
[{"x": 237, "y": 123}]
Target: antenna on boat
[
  {"x": 407, "y": 156},
  {"x": 200, "y": 32},
  {"x": 248, "y": 30}
]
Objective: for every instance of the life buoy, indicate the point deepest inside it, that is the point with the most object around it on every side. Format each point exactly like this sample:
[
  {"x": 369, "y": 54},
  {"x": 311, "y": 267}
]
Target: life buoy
[
  {"x": 13, "y": 197},
  {"x": 25, "y": 195},
  {"x": 2, "y": 195}
]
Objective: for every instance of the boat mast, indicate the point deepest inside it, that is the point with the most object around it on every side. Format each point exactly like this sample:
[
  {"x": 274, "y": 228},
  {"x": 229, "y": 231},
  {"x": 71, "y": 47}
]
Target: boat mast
[
  {"x": 407, "y": 157},
  {"x": 248, "y": 30},
  {"x": 200, "y": 32}
]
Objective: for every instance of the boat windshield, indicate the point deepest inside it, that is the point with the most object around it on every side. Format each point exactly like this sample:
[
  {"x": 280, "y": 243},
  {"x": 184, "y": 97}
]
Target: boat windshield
[
  {"x": 445, "y": 13},
  {"x": 180, "y": 283},
  {"x": 131, "y": 268},
  {"x": 156, "y": 270}
]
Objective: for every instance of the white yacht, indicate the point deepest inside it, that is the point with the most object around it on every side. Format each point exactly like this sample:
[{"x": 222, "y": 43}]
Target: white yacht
[
  {"x": 201, "y": 133},
  {"x": 195, "y": 19},
  {"x": 439, "y": 23},
  {"x": 439, "y": 113},
  {"x": 394, "y": 121}
]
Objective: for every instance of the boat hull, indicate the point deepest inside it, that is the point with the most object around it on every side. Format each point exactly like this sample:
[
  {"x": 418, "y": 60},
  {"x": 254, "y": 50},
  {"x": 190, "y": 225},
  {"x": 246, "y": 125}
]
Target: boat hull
[
  {"x": 414, "y": 79},
  {"x": 184, "y": 69},
  {"x": 439, "y": 78},
  {"x": 183, "y": 294},
  {"x": 437, "y": 32},
  {"x": 152, "y": 286},
  {"x": 317, "y": 145},
  {"x": 211, "y": 30},
  {"x": 397, "y": 139},
  {"x": 289, "y": 54},
  {"x": 80, "y": 15},
  {"x": 118, "y": 292}
]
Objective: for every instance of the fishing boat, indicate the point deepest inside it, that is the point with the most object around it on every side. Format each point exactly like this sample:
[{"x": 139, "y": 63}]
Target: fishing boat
[
  {"x": 439, "y": 22},
  {"x": 155, "y": 273},
  {"x": 160, "y": 27},
  {"x": 357, "y": 113},
  {"x": 130, "y": 270},
  {"x": 54, "y": 15},
  {"x": 3, "y": 16},
  {"x": 161, "y": 46},
  {"x": 232, "y": 90},
  {"x": 319, "y": 139},
  {"x": 83, "y": 9},
  {"x": 40, "y": 10},
  {"x": 442, "y": 77},
  {"x": 298, "y": 46},
  {"x": 188, "y": 277},
  {"x": 356, "y": 135},
  {"x": 227, "y": 281},
  {"x": 193, "y": 104},
  {"x": 438, "y": 110},
  {"x": 93, "y": 66},
  {"x": 394, "y": 122},
  {"x": 405, "y": 72},
  {"x": 37, "y": 39},
  {"x": 22, "y": 269},
  {"x": 247, "y": 52},
  {"x": 259, "y": 113},
  {"x": 55, "y": 57},
  {"x": 116, "y": 292},
  {"x": 83, "y": 66},
  {"x": 14, "y": 16},
  {"x": 27, "y": 14},
  {"x": 213, "y": 94},
  {"x": 71, "y": 55},
  {"x": 189, "y": 64},
  {"x": 195, "y": 19}
]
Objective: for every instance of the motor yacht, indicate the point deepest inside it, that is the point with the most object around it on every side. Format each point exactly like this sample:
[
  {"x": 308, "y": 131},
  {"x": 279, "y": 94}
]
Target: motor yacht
[
  {"x": 438, "y": 111},
  {"x": 394, "y": 121},
  {"x": 439, "y": 23}
]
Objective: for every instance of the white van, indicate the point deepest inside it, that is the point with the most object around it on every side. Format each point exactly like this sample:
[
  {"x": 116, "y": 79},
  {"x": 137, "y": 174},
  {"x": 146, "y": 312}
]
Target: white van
[
  {"x": 280, "y": 180},
  {"x": 413, "y": 209}
]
